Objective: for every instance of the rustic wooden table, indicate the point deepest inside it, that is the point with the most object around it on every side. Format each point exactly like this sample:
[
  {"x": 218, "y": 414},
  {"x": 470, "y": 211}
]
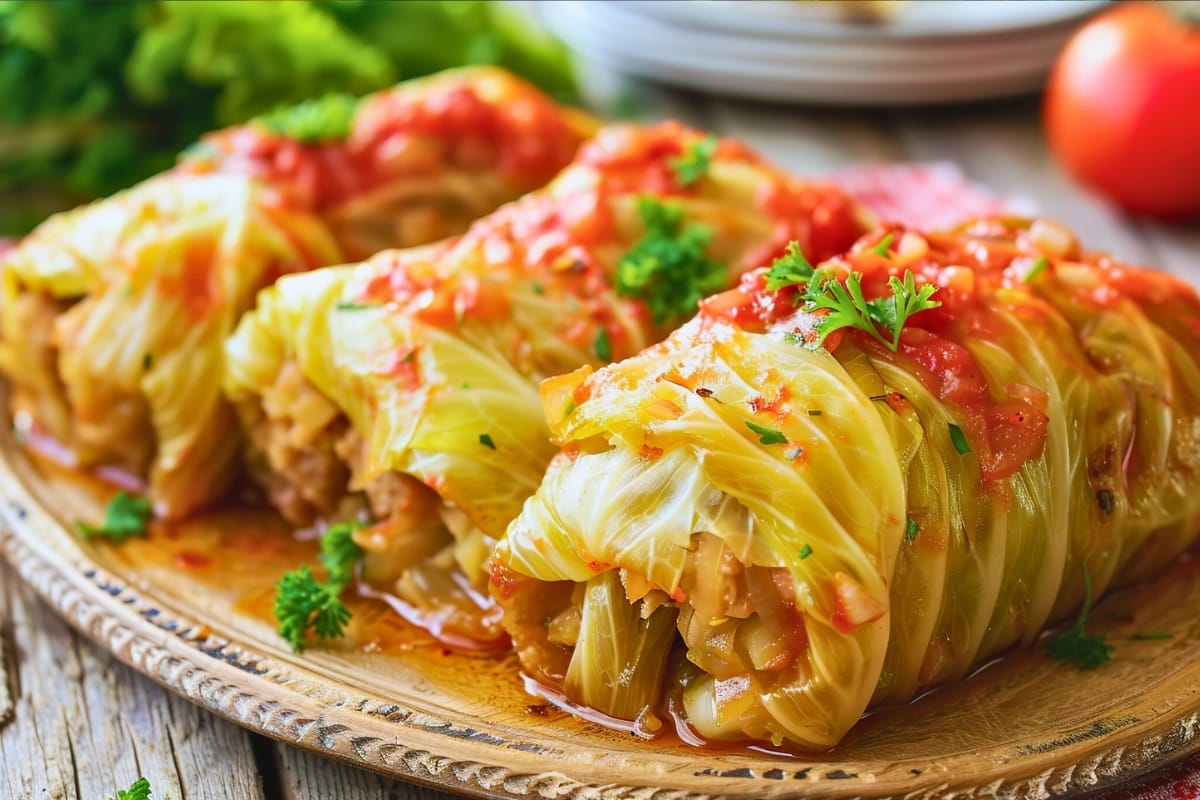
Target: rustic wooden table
[{"x": 81, "y": 725}]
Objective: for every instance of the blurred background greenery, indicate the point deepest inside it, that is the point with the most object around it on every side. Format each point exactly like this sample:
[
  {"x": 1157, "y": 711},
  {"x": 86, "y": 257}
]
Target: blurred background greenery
[{"x": 97, "y": 96}]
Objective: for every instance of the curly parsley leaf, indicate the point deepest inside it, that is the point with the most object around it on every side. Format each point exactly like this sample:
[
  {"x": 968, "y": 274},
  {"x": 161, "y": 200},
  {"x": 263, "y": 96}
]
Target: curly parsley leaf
[
  {"x": 848, "y": 308},
  {"x": 140, "y": 790},
  {"x": 959, "y": 440},
  {"x": 668, "y": 268},
  {"x": 485, "y": 439},
  {"x": 907, "y": 299},
  {"x": 324, "y": 119},
  {"x": 1038, "y": 268},
  {"x": 767, "y": 435},
  {"x": 693, "y": 164},
  {"x": 125, "y": 517},
  {"x": 790, "y": 269},
  {"x": 1075, "y": 645},
  {"x": 302, "y": 602},
  {"x": 882, "y": 249},
  {"x": 339, "y": 554},
  {"x": 602, "y": 346}
]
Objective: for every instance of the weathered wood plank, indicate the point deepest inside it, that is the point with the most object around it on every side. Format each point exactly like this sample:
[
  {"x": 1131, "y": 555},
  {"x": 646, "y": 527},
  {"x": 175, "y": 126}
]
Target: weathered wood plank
[
  {"x": 305, "y": 776},
  {"x": 1175, "y": 248},
  {"x": 614, "y": 97},
  {"x": 6, "y": 693},
  {"x": 807, "y": 141},
  {"x": 85, "y": 725}
]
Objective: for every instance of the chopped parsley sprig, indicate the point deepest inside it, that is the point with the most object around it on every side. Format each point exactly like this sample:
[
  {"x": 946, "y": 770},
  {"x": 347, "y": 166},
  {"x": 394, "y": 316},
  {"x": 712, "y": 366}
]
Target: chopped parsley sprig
[
  {"x": 302, "y": 602},
  {"x": 883, "y": 248},
  {"x": 125, "y": 517},
  {"x": 767, "y": 435},
  {"x": 1076, "y": 645},
  {"x": 693, "y": 164},
  {"x": 843, "y": 301},
  {"x": 669, "y": 268},
  {"x": 847, "y": 308},
  {"x": 139, "y": 790},
  {"x": 959, "y": 440},
  {"x": 339, "y": 553},
  {"x": 1038, "y": 268},
  {"x": 602, "y": 346},
  {"x": 790, "y": 269},
  {"x": 325, "y": 119}
]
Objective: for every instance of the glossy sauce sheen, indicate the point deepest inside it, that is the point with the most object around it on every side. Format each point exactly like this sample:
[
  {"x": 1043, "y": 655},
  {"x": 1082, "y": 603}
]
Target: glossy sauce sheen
[
  {"x": 971, "y": 269},
  {"x": 523, "y": 136},
  {"x": 563, "y": 242},
  {"x": 240, "y": 551}
]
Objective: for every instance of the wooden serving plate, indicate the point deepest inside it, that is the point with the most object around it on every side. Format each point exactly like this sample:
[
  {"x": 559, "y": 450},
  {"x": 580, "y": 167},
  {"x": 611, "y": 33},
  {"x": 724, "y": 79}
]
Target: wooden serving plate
[{"x": 185, "y": 606}]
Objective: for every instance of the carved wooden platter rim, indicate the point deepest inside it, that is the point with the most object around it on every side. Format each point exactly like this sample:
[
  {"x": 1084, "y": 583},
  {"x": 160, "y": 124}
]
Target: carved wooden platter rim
[{"x": 442, "y": 741}]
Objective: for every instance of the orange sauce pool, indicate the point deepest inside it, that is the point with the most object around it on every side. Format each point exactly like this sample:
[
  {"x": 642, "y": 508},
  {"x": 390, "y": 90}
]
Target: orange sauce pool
[{"x": 240, "y": 551}]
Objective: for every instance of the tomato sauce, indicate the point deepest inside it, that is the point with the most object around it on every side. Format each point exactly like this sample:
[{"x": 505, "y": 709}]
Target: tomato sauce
[
  {"x": 563, "y": 242},
  {"x": 404, "y": 132},
  {"x": 1004, "y": 426}
]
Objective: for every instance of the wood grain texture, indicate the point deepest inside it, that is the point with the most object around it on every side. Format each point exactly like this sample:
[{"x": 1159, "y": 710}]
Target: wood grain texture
[
  {"x": 86, "y": 726},
  {"x": 1026, "y": 728},
  {"x": 807, "y": 141},
  {"x": 6, "y": 672},
  {"x": 304, "y": 776}
]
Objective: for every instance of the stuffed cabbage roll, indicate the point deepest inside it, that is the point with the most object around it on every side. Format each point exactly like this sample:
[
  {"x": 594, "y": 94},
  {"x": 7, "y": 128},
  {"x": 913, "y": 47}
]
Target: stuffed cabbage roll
[
  {"x": 840, "y": 485},
  {"x": 407, "y": 165},
  {"x": 114, "y": 315},
  {"x": 403, "y": 391}
]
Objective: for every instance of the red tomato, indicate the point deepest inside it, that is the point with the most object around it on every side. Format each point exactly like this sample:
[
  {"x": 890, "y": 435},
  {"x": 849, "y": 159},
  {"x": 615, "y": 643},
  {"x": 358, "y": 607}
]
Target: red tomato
[{"x": 1122, "y": 109}]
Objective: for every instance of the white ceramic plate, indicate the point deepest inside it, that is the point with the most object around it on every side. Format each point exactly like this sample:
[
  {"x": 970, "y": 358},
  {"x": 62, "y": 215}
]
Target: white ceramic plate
[
  {"x": 857, "y": 65},
  {"x": 917, "y": 19}
]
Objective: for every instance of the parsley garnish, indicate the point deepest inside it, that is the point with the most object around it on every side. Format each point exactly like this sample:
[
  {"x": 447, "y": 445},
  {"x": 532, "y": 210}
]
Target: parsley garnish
[
  {"x": 767, "y": 435},
  {"x": 815, "y": 412},
  {"x": 789, "y": 269},
  {"x": 911, "y": 530},
  {"x": 959, "y": 439},
  {"x": 486, "y": 441},
  {"x": 355, "y": 306},
  {"x": 693, "y": 164},
  {"x": 1147, "y": 636},
  {"x": 325, "y": 119},
  {"x": 538, "y": 288},
  {"x": 849, "y": 309},
  {"x": 804, "y": 552},
  {"x": 1086, "y": 650},
  {"x": 302, "y": 602},
  {"x": 147, "y": 361},
  {"x": 1038, "y": 268},
  {"x": 602, "y": 346},
  {"x": 881, "y": 249},
  {"x": 339, "y": 553},
  {"x": 125, "y": 517},
  {"x": 668, "y": 268},
  {"x": 140, "y": 790}
]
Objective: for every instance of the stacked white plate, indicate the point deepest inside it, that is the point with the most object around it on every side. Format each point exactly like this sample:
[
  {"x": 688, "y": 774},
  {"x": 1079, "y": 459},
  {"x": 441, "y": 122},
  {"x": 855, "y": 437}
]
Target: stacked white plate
[{"x": 927, "y": 51}]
